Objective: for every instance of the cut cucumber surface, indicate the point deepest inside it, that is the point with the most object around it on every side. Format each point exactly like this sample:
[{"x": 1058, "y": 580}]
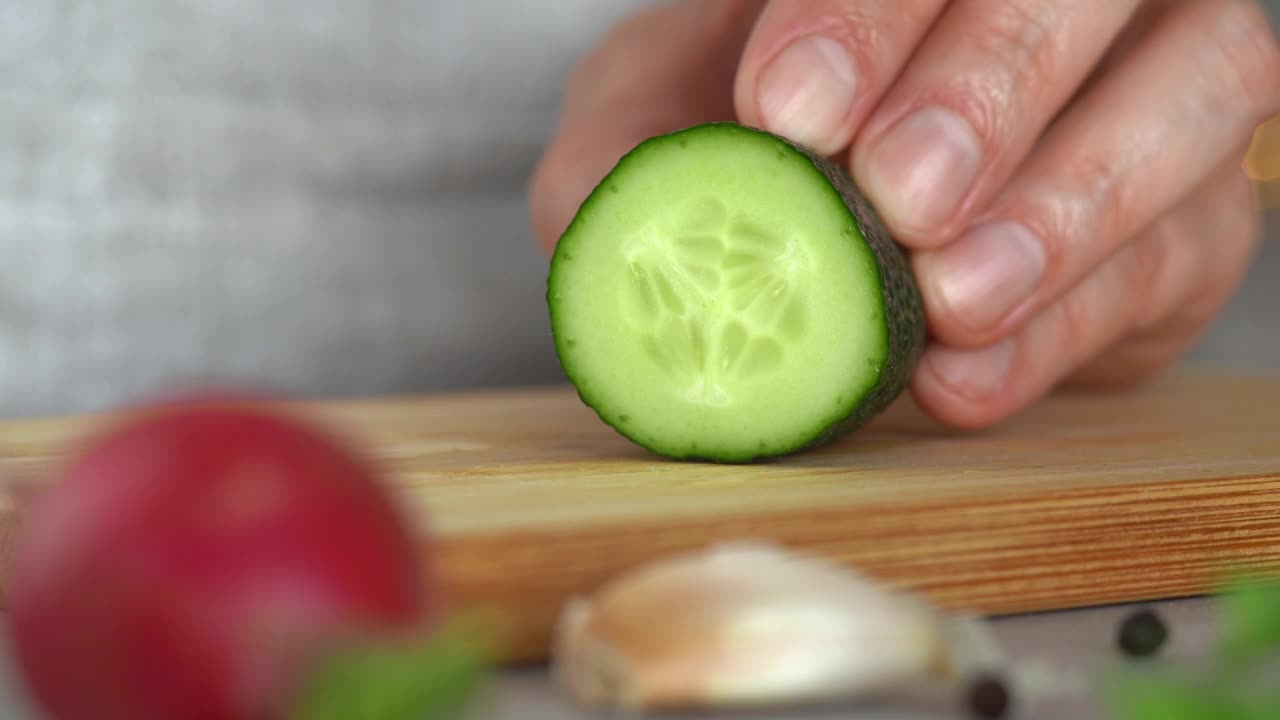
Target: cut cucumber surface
[{"x": 726, "y": 295}]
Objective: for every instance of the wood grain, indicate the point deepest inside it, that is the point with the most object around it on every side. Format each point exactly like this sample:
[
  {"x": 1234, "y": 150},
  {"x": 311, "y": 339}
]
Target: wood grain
[{"x": 1086, "y": 499}]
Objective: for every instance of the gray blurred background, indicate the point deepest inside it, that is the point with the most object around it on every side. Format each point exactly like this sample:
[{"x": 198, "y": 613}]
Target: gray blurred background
[{"x": 324, "y": 197}]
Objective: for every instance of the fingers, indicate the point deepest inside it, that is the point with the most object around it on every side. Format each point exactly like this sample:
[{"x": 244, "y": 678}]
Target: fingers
[
  {"x": 1161, "y": 333},
  {"x": 1183, "y": 103},
  {"x": 814, "y": 69},
  {"x": 1130, "y": 318},
  {"x": 624, "y": 91},
  {"x": 970, "y": 104},
  {"x": 941, "y": 100}
]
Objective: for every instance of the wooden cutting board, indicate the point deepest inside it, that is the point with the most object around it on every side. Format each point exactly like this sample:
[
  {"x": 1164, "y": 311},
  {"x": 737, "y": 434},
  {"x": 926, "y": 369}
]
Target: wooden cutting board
[{"x": 1085, "y": 499}]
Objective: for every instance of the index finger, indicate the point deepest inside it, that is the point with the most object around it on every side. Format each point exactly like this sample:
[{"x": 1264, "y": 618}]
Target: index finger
[{"x": 623, "y": 92}]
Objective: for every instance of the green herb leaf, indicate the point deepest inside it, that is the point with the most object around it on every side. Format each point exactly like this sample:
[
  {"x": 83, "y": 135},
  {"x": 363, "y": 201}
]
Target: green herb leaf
[
  {"x": 435, "y": 679},
  {"x": 1150, "y": 696},
  {"x": 1250, "y": 622}
]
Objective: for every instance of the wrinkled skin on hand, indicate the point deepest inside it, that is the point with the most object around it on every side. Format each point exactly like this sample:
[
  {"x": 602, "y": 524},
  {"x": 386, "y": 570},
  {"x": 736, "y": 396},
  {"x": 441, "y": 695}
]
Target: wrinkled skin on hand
[{"x": 1066, "y": 176}]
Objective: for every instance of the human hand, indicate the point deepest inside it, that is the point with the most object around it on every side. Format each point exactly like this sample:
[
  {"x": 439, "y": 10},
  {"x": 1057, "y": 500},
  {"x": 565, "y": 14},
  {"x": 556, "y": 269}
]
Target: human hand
[{"x": 1066, "y": 176}]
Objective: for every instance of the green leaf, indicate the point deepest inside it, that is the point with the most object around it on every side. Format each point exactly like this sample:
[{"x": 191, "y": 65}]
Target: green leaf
[
  {"x": 1250, "y": 633},
  {"x": 1267, "y": 706},
  {"x": 1136, "y": 696},
  {"x": 434, "y": 679},
  {"x": 1250, "y": 622}
]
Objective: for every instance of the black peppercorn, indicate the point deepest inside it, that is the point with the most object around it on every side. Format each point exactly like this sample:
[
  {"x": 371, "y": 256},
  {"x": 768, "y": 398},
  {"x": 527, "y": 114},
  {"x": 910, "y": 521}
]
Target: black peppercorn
[
  {"x": 988, "y": 697},
  {"x": 1142, "y": 633}
]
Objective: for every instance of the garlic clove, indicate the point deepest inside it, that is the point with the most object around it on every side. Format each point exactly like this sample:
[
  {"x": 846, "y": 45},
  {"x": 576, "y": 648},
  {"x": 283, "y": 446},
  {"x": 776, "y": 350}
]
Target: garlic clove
[{"x": 750, "y": 623}]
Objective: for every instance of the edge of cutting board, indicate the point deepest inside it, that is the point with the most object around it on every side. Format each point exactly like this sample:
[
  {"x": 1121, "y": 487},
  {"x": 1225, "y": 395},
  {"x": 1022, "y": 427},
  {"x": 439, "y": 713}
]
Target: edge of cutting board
[{"x": 989, "y": 547}]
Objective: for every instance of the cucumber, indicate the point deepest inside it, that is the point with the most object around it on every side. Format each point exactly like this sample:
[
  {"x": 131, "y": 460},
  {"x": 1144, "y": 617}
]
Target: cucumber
[{"x": 726, "y": 295}]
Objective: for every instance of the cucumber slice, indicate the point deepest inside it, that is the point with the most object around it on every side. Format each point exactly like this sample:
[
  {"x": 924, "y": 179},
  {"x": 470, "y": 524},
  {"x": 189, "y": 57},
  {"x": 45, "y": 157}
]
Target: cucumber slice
[{"x": 726, "y": 295}]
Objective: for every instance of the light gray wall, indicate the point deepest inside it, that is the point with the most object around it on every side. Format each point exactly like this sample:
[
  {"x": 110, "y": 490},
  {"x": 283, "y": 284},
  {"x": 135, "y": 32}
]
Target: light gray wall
[{"x": 326, "y": 197}]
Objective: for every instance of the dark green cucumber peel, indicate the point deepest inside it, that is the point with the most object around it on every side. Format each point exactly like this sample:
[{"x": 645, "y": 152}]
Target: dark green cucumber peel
[
  {"x": 904, "y": 315},
  {"x": 754, "y": 210}
]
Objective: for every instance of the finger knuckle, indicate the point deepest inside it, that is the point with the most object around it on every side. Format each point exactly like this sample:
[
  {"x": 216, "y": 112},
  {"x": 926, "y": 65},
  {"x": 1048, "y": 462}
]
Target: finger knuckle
[
  {"x": 1225, "y": 227},
  {"x": 873, "y": 33},
  {"x": 1088, "y": 200},
  {"x": 1251, "y": 51},
  {"x": 1229, "y": 257},
  {"x": 1181, "y": 270},
  {"x": 1077, "y": 324},
  {"x": 1018, "y": 57},
  {"x": 1053, "y": 216},
  {"x": 1019, "y": 39},
  {"x": 1106, "y": 200},
  {"x": 862, "y": 33},
  {"x": 1145, "y": 269}
]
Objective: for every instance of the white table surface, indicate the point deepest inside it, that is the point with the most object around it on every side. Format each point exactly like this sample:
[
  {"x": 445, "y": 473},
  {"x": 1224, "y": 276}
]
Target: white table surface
[{"x": 1064, "y": 643}]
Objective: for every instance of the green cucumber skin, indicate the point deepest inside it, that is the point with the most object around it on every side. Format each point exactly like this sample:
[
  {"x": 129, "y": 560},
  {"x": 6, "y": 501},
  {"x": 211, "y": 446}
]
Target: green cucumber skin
[
  {"x": 903, "y": 305},
  {"x": 904, "y": 319}
]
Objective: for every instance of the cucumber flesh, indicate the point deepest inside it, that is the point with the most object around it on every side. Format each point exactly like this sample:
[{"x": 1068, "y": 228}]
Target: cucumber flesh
[{"x": 726, "y": 295}]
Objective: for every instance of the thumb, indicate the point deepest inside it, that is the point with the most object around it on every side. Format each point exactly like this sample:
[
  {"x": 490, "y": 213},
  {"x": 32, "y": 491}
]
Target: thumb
[{"x": 660, "y": 70}]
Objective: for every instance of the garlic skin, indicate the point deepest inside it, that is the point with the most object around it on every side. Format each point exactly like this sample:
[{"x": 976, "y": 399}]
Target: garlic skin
[{"x": 751, "y": 623}]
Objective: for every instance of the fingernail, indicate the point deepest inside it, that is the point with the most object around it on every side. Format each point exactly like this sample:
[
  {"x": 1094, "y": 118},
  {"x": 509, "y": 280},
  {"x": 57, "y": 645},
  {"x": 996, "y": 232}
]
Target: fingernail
[
  {"x": 974, "y": 374},
  {"x": 807, "y": 90},
  {"x": 988, "y": 272},
  {"x": 923, "y": 168}
]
